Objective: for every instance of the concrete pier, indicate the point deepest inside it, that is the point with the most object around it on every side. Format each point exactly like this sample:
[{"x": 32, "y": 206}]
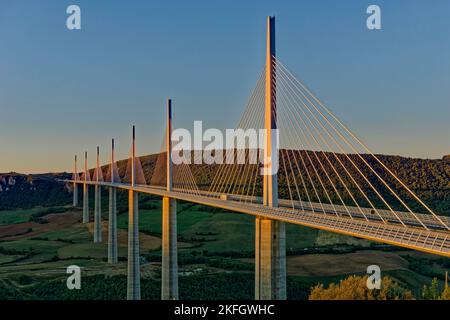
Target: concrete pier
[
  {"x": 98, "y": 214},
  {"x": 75, "y": 194},
  {"x": 85, "y": 203},
  {"x": 270, "y": 260},
  {"x": 134, "y": 274},
  {"x": 75, "y": 185},
  {"x": 169, "y": 274},
  {"x": 270, "y": 235},
  {"x": 98, "y": 201},
  {"x": 112, "y": 217},
  {"x": 86, "y": 191},
  {"x": 112, "y": 226}
]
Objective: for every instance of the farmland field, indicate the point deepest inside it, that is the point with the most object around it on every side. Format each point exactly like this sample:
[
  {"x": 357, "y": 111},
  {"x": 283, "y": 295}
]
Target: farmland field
[{"x": 215, "y": 256}]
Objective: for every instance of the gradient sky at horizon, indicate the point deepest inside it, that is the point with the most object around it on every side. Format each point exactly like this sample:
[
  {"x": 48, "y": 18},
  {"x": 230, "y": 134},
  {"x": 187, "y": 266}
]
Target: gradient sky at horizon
[{"x": 63, "y": 92}]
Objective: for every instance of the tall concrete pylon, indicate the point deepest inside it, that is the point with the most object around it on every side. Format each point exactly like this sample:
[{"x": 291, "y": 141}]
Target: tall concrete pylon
[
  {"x": 134, "y": 274},
  {"x": 75, "y": 185},
  {"x": 98, "y": 203},
  {"x": 85, "y": 191},
  {"x": 270, "y": 235},
  {"x": 112, "y": 217},
  {"x": 169, "y": 273}
]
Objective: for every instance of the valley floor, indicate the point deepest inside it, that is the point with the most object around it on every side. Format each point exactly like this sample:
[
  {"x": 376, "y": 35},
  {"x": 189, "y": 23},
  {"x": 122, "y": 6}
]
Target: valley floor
[{"x": 216, "y": 252}]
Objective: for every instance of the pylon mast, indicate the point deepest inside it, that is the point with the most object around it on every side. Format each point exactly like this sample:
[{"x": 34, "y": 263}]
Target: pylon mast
[
  {"x": 169, "y": 145},
  {"x": 85, "y": 167},
  {"x": 98, "y": 164},
  {"x": 270, "y": 185},
  {"x": 75, "y": 186},
  {"x": 75, "y": 169},
  {"x": 133, "y": 159},
  {"x": 112, "y": 161}
]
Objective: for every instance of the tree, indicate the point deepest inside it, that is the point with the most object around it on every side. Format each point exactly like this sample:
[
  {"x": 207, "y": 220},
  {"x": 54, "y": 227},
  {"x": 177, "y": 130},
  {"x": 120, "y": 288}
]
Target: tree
[
  {"x": 431, "y": 292},
  {"x": 355, "y": 288},
  {"x": 445, "y": 294}
]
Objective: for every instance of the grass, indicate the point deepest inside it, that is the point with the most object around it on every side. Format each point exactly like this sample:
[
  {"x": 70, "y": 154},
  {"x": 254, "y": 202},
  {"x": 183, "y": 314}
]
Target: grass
[
  {"x": 205, "y": 240},
  {"x": 354, "y": 262},
  {"x": 150, "y": 219},
  {"x": 85, "y": 250},
  {"x": 77, "y": 233},
  {"x": 38, "y": 250},
  {"x": 16, "y": 216},
  {"x": 9, "y": 258},
  {"x": 216, "y": 232},
  {"x": 233, "y": 232}
]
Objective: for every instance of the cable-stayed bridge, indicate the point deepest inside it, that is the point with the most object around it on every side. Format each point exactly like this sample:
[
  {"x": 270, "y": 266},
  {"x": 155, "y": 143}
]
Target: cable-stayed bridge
[{"x": 312, "y": 171}]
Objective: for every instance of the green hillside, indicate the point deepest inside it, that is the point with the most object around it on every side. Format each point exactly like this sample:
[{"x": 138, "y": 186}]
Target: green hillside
[{"x": 428, "y": 178}]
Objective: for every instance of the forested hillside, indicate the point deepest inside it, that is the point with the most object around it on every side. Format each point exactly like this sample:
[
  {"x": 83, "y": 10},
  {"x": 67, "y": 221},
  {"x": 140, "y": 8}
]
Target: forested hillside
[
  {"x": 28, "y": 191},
  {"x": 428, "y": 178}
]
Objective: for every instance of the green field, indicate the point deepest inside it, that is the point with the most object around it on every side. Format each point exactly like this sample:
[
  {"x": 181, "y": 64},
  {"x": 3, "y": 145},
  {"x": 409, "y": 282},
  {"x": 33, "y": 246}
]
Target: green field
[
  {"x": 217, "y": 232},
  {"x": 215, "y": 247},
  {"x": 16, "y": 216}
]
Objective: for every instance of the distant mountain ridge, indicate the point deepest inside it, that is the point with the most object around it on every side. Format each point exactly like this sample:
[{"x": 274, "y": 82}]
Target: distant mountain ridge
[{"x": 30, "y": 190}]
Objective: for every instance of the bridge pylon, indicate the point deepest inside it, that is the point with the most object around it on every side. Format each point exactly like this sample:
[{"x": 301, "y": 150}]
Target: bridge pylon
[
  {"x": 86, "y": 191},
  {"x": 134, "y": 273},
  {"x": 75, "y": 185},
  {"x": 97, "y": 203},
  {"x": 169, "y": 273},
  {"x": 270, "y": 235},
  {"x": 112, "y": 214}
]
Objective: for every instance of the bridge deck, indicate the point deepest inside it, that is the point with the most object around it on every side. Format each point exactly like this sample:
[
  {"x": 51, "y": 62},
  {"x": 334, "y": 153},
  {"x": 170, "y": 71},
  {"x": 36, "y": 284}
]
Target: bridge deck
[{"x": 436, "y": 240}]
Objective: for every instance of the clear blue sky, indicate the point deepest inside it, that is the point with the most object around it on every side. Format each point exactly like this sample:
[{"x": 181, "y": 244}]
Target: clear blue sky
[{"x": 63, "y": 92}]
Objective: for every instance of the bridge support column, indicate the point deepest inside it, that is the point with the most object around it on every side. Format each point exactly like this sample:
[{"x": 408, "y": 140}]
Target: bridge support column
[
  {"x": 112, "y": 226},
  {"x": 134, "y": 268},
  {"x": 86, "y": 191},
  {"x": 134, "y": 275},
  {"x": 112, "y": 217},
  {"x": 75, "y": 185},
  {"x": 169, "y": 278},
  {"x": 98, "y": 214},
  {"x": 75, "y": 194},
  {"x": 85, "y": 203},
  {"x": 270, "y": 260},
  {"x": 169, "y": 273},
  {"x": 270, "y": 235}
]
